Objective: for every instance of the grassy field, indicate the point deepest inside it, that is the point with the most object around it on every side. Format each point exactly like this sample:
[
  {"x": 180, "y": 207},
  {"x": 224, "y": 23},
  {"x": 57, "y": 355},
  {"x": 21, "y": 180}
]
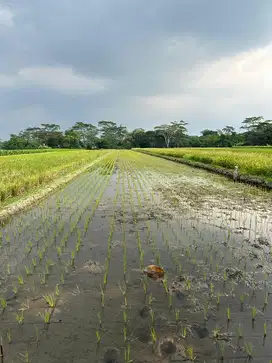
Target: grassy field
[
  {"x": 21, "y": 173},
  {"x": 72, "y": 282},
  {"x": 26, "y": 151},
  {"x": 251, "y": 161}
]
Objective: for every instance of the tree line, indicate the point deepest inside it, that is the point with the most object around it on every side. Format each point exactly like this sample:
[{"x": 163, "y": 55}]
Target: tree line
[{"x": 109, "y": 135}]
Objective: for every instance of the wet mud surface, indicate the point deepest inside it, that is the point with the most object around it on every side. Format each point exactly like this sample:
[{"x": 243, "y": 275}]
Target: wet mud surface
[{"x": 71, "y": 282}]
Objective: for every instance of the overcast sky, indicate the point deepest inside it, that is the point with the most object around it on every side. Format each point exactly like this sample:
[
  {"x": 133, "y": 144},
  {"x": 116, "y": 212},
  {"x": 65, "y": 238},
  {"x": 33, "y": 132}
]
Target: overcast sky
[{"x": 137, "y": 62}]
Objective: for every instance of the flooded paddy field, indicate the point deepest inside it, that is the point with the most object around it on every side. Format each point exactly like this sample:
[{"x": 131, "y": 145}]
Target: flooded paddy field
[{"x": 71, "y": 283}]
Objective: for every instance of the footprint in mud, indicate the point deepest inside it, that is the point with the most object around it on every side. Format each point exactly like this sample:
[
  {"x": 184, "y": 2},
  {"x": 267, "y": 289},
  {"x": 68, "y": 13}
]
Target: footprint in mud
[
  {"x": 143, "y": 333},
  {"x": 201, "y": 332},
  {"x": 144, "y": 312},
  {"x": 111, "y": 356},
  {"x": 168, "y": 347}
]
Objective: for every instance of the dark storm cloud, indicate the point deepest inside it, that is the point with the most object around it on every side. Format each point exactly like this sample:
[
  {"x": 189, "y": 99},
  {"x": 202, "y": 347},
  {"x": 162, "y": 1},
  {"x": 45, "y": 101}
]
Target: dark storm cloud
[{"x": 145, "y": 48}]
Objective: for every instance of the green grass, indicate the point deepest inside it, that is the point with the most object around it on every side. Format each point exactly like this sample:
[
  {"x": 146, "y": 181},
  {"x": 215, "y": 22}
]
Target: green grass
[
  {"x": 25, "y": 151},
  {"x": 250, "y": 160},
  {"x": 21, "y": 173}
]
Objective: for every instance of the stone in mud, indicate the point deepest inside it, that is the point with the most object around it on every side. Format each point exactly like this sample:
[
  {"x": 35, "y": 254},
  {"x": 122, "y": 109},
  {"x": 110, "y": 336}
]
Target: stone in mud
[
  {"x": 202, "y": 332},
  {"x": 168, "y": 348},
  {"x": 111, "y": 355}
]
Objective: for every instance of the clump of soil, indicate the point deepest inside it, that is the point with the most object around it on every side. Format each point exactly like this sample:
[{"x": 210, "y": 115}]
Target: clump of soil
[
  {"x": 94, "y": 267},
  {"x": 234, "y": 273}
]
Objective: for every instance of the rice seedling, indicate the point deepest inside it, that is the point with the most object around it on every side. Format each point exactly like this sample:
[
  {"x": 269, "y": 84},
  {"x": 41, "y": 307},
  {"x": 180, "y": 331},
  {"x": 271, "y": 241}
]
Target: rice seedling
[
  {"x": 50, "y": 299},
  {"x": 211, "y": 289},
  {"x": 20, "y": 317},
  {"x": 8, "y": 335},
  {"x": 98, "y": 336},
  {"x": 190, "y": 354},
  {"x": 153, "y": 336},
  {"x": 34, "y": 263},
  {"x": 265, "y": 329},
  {"x": 8, "y": 269},
  {"x": 14, "y": 289},
  {"x": 73, "y": 258},
  {"x": 102, "y": 297},
  {"x": 222, "y": 346},
  {"x": 21, "y": 280},
  {"x": 57, "y": 291},
  {"x": 43, "y": 278},
  {"x": 228, "y": 313},
  {"x": 127, "y": 353},
  {"x": 3, "y": 303},
  {"x": 253, "y": 312},
  {"x": 177, "y": 315},
  {"x": 46, "y": 316},
  {"x": 28, "y": 271},
  {"x": 184, "y": 332},
  {"x": 249, "y": 350},
  {"x": 24, "y": 357},
  {"x": 239, "y": 331}
]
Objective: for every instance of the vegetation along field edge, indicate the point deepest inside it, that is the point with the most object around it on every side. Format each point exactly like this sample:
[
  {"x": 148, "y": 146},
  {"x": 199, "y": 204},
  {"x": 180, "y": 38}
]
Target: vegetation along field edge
[
  {"x": 263, "y": 181},
  {"x": 26, "y": 201}
]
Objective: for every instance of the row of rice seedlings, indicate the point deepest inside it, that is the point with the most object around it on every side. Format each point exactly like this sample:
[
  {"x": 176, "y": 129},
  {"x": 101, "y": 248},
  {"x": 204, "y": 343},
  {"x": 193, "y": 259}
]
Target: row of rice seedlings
[
  {"x": 127, "y": 170},
  {"x": 176, "y": 260},
  {"x": 127, "y": 347},
  {"x": 156, "y": 253},
  {"x": 43, "y": 279},
  {"x": 155, "y": 250},
  {"x": 103, "y": 287}
]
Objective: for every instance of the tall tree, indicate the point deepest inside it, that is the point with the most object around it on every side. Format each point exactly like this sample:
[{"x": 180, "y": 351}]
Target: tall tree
[
  {"x": 228, "y": 130},
  {"x": 87, "y": 133},
  {"x": 112, "y": 134},
  {"x": 250, "y": 123},
  {"x": 176, "y": 129}
]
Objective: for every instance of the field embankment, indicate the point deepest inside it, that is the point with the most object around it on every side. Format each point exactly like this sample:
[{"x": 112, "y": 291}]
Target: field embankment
[
  {"x": 255, "y": 165},
  {"x": 22, "y": 174}
]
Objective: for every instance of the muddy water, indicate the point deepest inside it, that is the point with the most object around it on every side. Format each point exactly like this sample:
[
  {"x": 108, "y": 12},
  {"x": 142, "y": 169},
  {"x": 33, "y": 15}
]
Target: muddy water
[{"x": 212, "y": 237}]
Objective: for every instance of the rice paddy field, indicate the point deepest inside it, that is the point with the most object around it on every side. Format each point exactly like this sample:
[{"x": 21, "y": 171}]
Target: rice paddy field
[
  {"x": 72, "y": 287},
  {"x": 25, "y": 172},
  {"x": 26, "y": 151},
  {"x": 252, "y": 161}
]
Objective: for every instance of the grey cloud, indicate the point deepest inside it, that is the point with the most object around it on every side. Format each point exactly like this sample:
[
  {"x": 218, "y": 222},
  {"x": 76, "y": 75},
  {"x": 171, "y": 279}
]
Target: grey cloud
[{"x": 127, "y": 42}]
